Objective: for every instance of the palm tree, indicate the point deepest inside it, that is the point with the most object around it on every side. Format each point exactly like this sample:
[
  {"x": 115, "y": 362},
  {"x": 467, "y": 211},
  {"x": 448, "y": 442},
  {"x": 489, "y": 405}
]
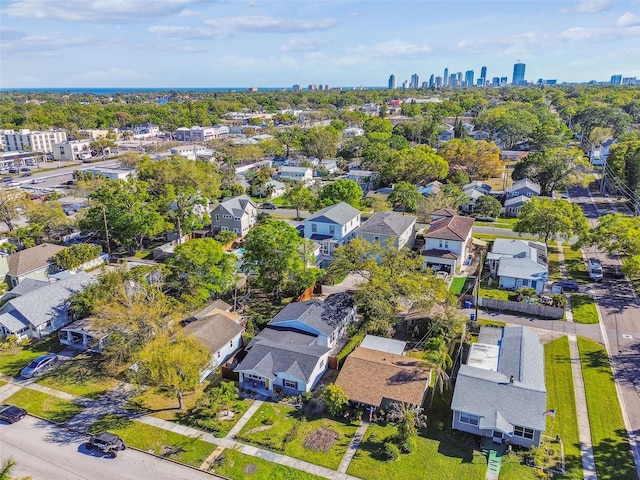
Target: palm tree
[
  {"x": 6, "y": 468},
  {"x": 438, "y": 357}
]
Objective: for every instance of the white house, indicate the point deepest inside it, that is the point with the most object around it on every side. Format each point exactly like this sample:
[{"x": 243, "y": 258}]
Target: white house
[
  {"x": 519, "y": 263},
  {"x": 364, "y": 178},
  {"x": 598, "y": 155},
  {"x": 302, "y": 175},
  {"x": 353, "y": 132},
  {"x": 72, "y": 150},
  {"x": 331, "y": 227},
  {"x": 447, "y": 243},
  {"x": 237, "y": 214},
  {"x": 385, "y": 227}
]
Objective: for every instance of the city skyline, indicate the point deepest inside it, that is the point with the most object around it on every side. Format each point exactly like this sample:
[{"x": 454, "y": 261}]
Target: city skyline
[{"x": 193, "y": 43}]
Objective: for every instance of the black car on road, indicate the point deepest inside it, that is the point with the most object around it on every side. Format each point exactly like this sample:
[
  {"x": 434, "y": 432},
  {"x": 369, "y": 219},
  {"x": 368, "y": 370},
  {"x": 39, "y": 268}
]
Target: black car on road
[
  {"x": 107, "y": 443},
  {"x": 11, "y": 413},
  {"x": 568, "y": 286}
]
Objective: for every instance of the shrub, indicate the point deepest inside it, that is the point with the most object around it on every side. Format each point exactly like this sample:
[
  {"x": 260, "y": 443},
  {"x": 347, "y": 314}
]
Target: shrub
[
  {"x": 390, "y": 452},
  {"x": 408, "y": 445}
]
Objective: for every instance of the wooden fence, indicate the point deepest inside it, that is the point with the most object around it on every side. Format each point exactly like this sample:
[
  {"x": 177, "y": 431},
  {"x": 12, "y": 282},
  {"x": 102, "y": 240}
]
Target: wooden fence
[{"x": 545, "y": 311}]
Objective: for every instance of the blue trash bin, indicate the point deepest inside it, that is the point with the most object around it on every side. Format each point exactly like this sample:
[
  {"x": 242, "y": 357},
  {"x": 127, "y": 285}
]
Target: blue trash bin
[
  {"x": 472, "y": 317},
  {"x": 467, "y": 304}
]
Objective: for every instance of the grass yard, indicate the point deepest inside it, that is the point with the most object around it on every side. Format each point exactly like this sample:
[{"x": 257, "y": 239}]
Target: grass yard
[
  {"x": 462, "y": 284},
  {"x": 238, "y": 466},
  {"x": 180, "y": 448},
  {"x": 2, "y": 383},
  {"x": 509, "y": 234},
  {"x": 561, "y": 398},
  {"x": 82, "y": 376},
  {"x": 11, "y": 364},
  {"x": 554, "y": 262},
  {"x": 492, "y": 291},
  {"x": 576, "y": 267},
  {"x": 610, "y": 444},
  {"x": 44, "y": 405},
  {"x": 280, "y": 428},
  {"x": 507, "y": 223},
  {"x": 583, "y": 308}
]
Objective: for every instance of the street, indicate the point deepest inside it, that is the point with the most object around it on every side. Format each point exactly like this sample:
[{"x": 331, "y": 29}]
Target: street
[
  {"x": 620, "y": 311},
  {"x": 45, "y": 452}
]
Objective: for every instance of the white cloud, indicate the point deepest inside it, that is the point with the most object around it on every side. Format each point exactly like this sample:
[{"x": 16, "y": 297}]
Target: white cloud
[
  {"x": 188, "y": 13},
  {"x": 297, "y": 44},
  {"x": 592, "y": 6},
  {"x": 628, "y": 20},
  {"x": 267, "y": 24},
  {"x": 96, "y": 11},
  {"x": 392, "y": 48},
  {"x": 174, "y": 31},
  {"x": 44, "y": 44},
  {"x": 8, "y": 34}
]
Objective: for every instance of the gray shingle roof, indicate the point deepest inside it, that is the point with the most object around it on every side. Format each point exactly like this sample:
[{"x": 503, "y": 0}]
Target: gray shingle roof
[
  {"x": 490, "y": 394},
  {"x": 322, "y": 316},
  {"x": 340, "y": 213},
  {"x": 214, "y": 331},
  {"x": 46, "y": 303},
  {"x": 28, "y": 285},
  {"x": 387, "y": 223},
  {"x": 236, "y": 206},
  {"x": 524, "y": 183},
  {"x": 13, "y": 321}
]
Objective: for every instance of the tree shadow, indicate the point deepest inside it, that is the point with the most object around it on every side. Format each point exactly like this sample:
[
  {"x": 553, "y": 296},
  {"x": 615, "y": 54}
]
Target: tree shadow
[
  {"x": 614, "y": 459},
  {"x": 109, "y": 422}
]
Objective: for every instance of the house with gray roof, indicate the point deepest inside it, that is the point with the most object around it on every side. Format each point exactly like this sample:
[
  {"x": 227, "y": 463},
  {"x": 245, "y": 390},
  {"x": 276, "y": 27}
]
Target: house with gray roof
[
  {"x": 291, "y": 353},
  {"x": 512, "y": 205},
  {"x": 519, "y": 263},
  {"x": 34, "y": 262},
  {"x": 42, "y": 310},
  {"x": 331, "y": 227},
  {"x": 525, "y": 187},
  {"x": 500, "y": 392},
  {"x": 389, "y": 229},
  {"x": 447, "y": 243},
  {"x": 237, "y": 214}
]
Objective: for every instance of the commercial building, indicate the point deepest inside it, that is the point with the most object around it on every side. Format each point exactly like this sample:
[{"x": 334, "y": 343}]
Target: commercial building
[
  {"x": 518, "y": 73},
  {"x": 73, "y": 150},
  {"x": 392, "y": 82},
  {"x": 201, "y": 134},
  {"x": 34, "y": 141},
  {"x": 616, "y": 79}
]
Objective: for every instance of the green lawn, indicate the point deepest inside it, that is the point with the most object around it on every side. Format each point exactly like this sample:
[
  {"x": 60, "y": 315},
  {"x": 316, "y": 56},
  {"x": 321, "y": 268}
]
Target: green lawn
[
  {"x": 82, "y": 376},
  {"x": 554, "y": 263},
  {"x": 11, "y": 364},
  {"x": 280, "y": 428},
  {"x": 2, "y": 383},
  {"x": 236, "y": 465},
  {"x": 488, "y": 236},
  {"x": 576, "y": 268},
  {"x": 583, "y": 308},
  {"x": 506, "y": 223},
  {"x": 610, "y": 444},
  {"x": 561, "y": 398},
  {"x": 180, "y": 448},
  {"x": 492, "y": 291},
  {"x": 462, "y": 284},
  {"x": 44, "y": 405}
]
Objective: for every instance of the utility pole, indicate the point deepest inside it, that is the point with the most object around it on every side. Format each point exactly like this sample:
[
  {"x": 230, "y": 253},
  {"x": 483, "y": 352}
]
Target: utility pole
[{"x": 106, "y": 229}]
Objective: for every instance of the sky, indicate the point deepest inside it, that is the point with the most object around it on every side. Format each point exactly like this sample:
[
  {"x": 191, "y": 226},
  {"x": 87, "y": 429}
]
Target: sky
[{"x": 278, "y": 43}]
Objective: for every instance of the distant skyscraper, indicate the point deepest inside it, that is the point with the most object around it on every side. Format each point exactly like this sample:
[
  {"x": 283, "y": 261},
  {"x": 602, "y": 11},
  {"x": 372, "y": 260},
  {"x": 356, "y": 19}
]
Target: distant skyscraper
[
  {"x": 438, "y": 81},
  {"x": 415, "y": 81},
  {"x": 431, "y": 81},
  {"x": 459, "y": 77},
  {"x": 405, "y": 84},
  {"x": 453, "y": 80},
  {"x": 616, "y": 79},
  {"x": 495, "y": 81},
  {"x": 392, "y": 81},
  {"x": 503, "y": 80},
  {"x": 518, "y": 73},
  {"x": 296, "y": 88},
  {"x": 483, "y": 72},
  {"x": 468, "y": 78},
  {"x": 446, "y": 77}
]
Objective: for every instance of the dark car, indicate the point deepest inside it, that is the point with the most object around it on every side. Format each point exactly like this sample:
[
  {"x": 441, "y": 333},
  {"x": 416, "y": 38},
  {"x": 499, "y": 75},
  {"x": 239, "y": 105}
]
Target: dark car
[
  {"x": 12, "y": 414},
  {"x": 269, "y": 206},
  {"x": 27, "y": 174},
  {"x": 568, "y": 286},
  {"x": 107, "y": 443},
  {"x": 25, "y": 169},
  {"x": 13, "y": 170},
  {"x": 613, "y": 271},
  {"x": 7, "y": 179},
  {"x": 39, "y": 365}
]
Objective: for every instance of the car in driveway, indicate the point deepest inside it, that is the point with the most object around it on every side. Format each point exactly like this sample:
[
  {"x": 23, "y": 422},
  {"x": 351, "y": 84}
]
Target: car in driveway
[
  {"x": 106, "y": 442},
  {"x": 568, "y": 286},
  {"x": 39, "y": 365},
  {"x": 11, "y": 413}
]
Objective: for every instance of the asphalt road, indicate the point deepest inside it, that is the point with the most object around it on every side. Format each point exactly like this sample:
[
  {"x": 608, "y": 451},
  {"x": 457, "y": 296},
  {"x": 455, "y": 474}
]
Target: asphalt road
[
  {"x": 620, "y": 311},
  {"x": 45, "y": 452}
]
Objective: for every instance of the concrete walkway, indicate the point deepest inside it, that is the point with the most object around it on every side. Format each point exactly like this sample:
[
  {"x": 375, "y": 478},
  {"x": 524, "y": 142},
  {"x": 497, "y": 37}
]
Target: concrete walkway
[
  {"x": 111, "y": 402},
  {"x": 353, "y": 446},
  {"x": 584, "y": 431},
  {"x": 244, "y": 419}
]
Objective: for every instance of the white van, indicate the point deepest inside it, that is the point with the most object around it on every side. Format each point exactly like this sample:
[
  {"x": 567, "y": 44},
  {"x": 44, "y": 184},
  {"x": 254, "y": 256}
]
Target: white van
[{"x": 595, "y": 270}]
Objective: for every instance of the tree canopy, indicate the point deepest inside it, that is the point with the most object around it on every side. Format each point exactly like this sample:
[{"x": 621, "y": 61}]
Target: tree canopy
[
  {"x": 342, "y": 190},
  {"x": 479, "y": 159},
  {"x": 545, "y": 217},
  {"x": 553, "y": 169}
]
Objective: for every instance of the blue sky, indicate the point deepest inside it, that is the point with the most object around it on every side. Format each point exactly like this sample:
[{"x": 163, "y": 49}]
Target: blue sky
[{"x": 197, "y": 43}]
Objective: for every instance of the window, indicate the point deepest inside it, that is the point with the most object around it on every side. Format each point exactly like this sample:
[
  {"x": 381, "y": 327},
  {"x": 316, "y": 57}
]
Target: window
[
  {"x": 523, "y": 432},
  {"x": 376, "y": 239},
  {"x": 231, "y": 343},
  {"x": 218, "y": 354},
  {"x": 217, "y": 217},
  {"x": 314, "y": 228},
  {"x": 469, "y": 419},
  {"x": 332, "y": 229},
  {"x": 290, "y": 383}
]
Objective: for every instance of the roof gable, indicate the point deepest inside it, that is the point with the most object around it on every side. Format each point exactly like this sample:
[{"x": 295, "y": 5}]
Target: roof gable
[
  {"x": 321, "y": 316},
  {"x": 340, "y": 213},
  {"x": 387, "y": 223},
  {"x": 236, "y": 206},
  {"x": 451, "y": 228},
  {"x": 31, "y": 259}
]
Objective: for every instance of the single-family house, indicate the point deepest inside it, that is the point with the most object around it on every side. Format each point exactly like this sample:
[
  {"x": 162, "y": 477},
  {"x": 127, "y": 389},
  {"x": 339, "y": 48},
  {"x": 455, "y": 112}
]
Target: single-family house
[
  {"x": 42, "y": 310},
  {"x": 446, "y": 135},
  {"x": 598, "y": 154},
  {"x": 512, "y": 155},
  {"x": 328, "y": 166},
  {"x": 353, "y": 132},
  {"x": 519, "y": 263},
  {"x": 389, "y": 228},
  {"x": 237, "y": 214},
  {"x": 34, "y": 262},
  {"x": 364, "y": 178},
  {"x": 377, "y": 374},
  {"x": 271, "y": 189},
  {"x": 447, "y": 243},
  {"x": 83, "y": 334},
  {"x": 302, "y": 175},
  {"x": 439, "y": 213},
  {"x": 219, "y": 330},
  {"x": 473, "y": 195},
  {"x": 500, "y": 392},
  {"x": 512, "y": 205},
  {"x": 291, "y": 353},
  {"x": 524, "y": 187},
  {"x": 331, "y": 227},
  {"x": 430, "y": 189},
  {"x": 478, "y": 186}
]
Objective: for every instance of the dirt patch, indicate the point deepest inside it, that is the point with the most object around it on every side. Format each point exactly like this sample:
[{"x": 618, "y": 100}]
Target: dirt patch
[
  {"x": 259, "y": 429},
  {"x": 321, "y": 440},
  {"x": 226, "y": 415},
  {"x": 250, "y": 469}
]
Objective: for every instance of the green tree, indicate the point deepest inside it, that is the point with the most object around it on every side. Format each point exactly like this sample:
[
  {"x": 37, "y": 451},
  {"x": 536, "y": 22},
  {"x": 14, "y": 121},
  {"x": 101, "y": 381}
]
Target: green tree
[
  {"x": 407, "y": 418},
  {"x": 11, "y": 204},
  {"x": 225, "y": 237},
  {"x": 51, "y": 217},
  {"x": 545, "y": 218},
  {"x": 417, "y": 164},
  {"x": 276, "y": 254},
  {"x": 320, "y": 142},
  {"x": 334, "y": 399},
  {"x": 405, "y": 196},
  {"x": 27, "y": 237},
  {"x": 624, "y": 161},
  {"x": 299, "y": 197},
  {"x": 76, "y": 255},
  {"x": 487, "y": 206},
  {"x": 437, "y": 356},
  {"x": 553, "y": 169},
  {"x": 172, "y": 364},
  {"x": 480, "y": 159},
  {"x": 342, "y": 190},
  {"x": 200, "y": 268}
]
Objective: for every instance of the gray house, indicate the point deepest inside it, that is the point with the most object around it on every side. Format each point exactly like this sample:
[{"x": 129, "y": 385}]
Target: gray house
[
  {"x": 34, "y": 262},
  {"x": 500, "y": 392},
  {"x": 524, "y": 187},
  {"x": 384, "y": 227},
  {"x": 237, "y": 214}
]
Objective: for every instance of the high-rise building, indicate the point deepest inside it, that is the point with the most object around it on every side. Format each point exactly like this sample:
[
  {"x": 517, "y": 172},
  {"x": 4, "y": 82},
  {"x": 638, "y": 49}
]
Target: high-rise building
[
  {"x": 459, "y": 77},
  {"x": 392, "y": 81},
  {"x": 518, "y": 73},
  {"x": 629, "y": 81},
  {"x": 296, "y": 88},
  {"x": 415, "y": 81},
  {"x": 616, "y": 79},
  {"x": 438, "y": 81},
  {"x": 405, "y": 84},
  {"x": 468, "y": 78},
  {"x": 495, "y": 81},
  {"x": 453, "y": 80},
  {"x": 483, "y": 72},
  {"x": 431, "y": 81},
  {"x": 503, "y": 80},
  {"x": 446, "y": 77}
]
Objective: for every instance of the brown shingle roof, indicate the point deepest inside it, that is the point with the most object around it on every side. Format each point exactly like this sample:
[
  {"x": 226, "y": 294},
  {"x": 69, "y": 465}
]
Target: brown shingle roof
[
  {"x": 31, "y": 259},
  {"x": 434, "y": 252},
  {"x": 444, "y": 212},
  {"x": 369, "y": 376},
  {"x": 451, "y": 228}
]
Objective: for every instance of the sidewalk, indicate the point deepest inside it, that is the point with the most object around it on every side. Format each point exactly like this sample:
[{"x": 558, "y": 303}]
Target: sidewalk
[{"x": 353, "y": 446}]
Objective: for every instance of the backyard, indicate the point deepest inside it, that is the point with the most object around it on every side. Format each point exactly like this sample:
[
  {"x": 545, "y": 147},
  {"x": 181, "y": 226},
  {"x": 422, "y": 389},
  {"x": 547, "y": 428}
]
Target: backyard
[
  {"x": 286, "y": 430},
  {"x": 44, "y": 405}
]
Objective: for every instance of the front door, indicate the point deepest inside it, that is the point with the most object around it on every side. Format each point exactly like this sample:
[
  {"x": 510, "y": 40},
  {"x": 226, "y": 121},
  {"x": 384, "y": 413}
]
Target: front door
[{"x": 497, "y": 436}]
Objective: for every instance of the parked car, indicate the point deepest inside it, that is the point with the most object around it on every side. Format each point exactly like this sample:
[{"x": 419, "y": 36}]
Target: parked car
[
  {"x": 568, "y": 286},
  {"x": 269, "y": 206},
  {"x": 595, "y": 270},
  {"x": 107, "y": 443},
  {"x": 25, "y": 169},
  {"x": 11, "y": 413},
  {"x": 7, "y": 179},
  {"x": 13, "y": 170},
  {"x": 39, "y": 365},
  {"x": 27, "y": 174},
  {"x": 613, "y": 271}
]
